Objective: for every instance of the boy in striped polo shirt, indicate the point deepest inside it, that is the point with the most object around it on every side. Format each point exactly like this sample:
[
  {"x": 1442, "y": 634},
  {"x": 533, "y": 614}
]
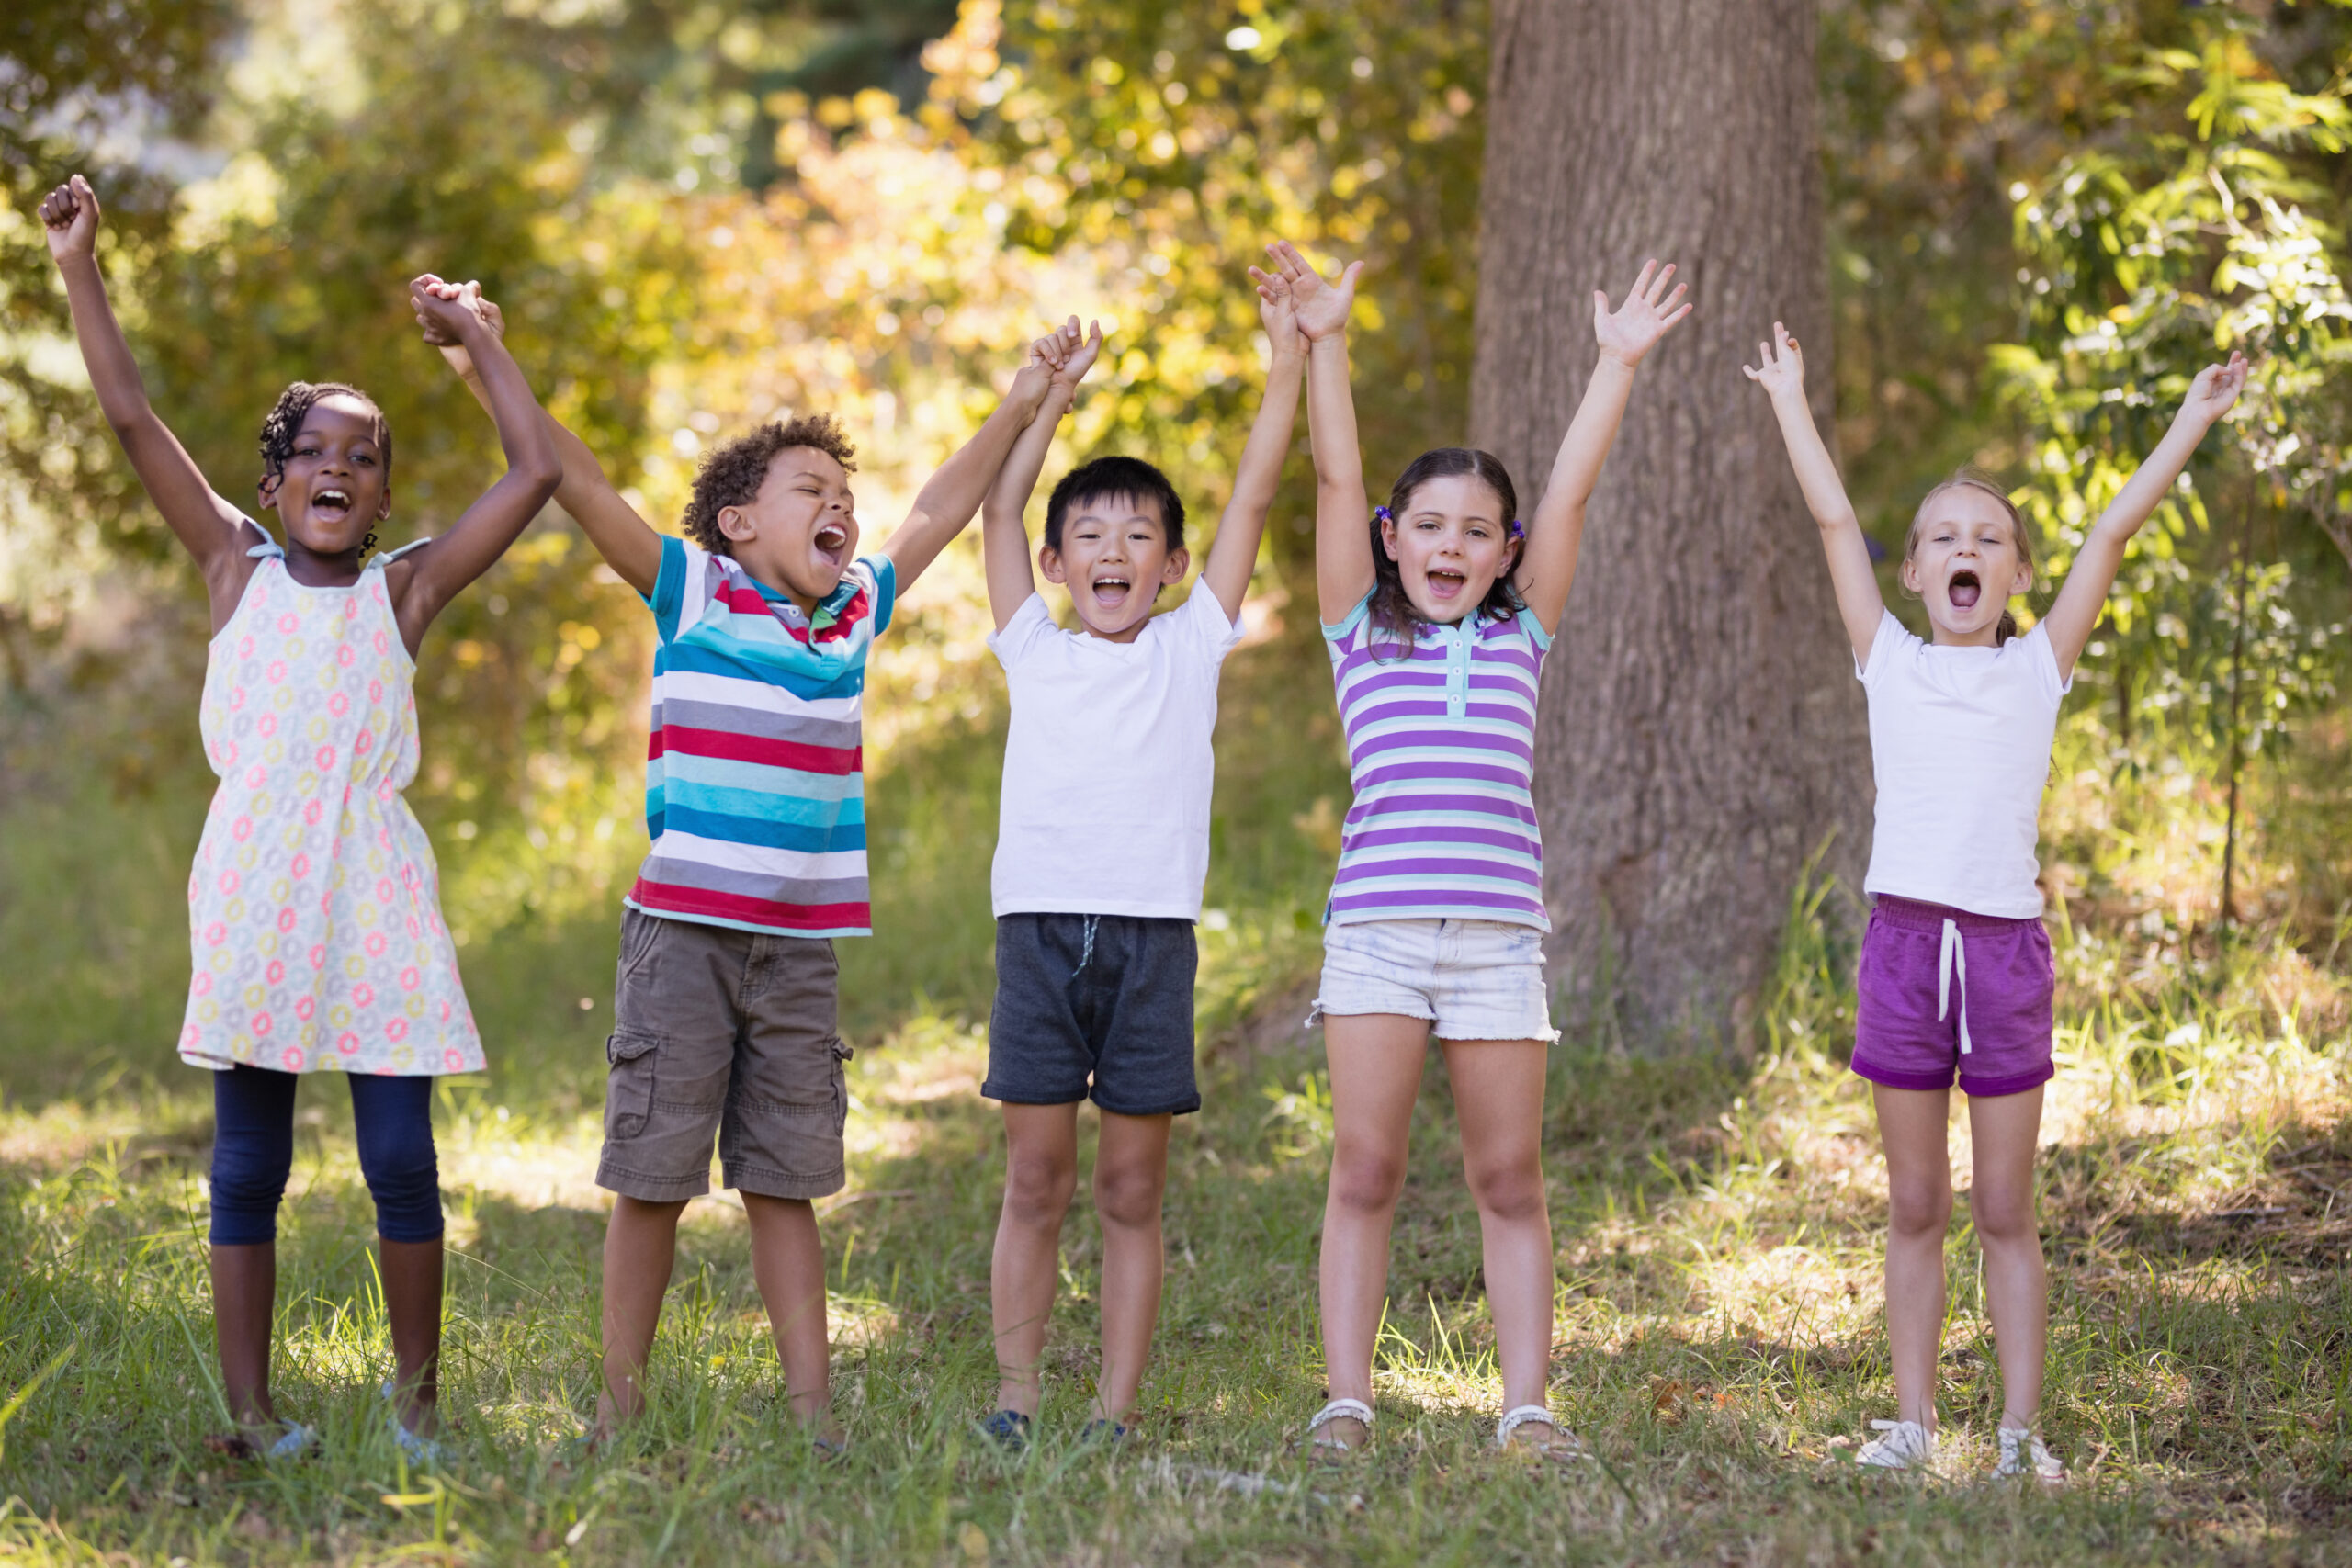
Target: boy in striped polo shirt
[{"x": 725, "y": 1004}]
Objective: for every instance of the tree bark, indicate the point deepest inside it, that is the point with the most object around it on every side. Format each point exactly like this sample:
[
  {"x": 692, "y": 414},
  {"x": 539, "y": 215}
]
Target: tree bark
[{"x": 1701, "y": 732}]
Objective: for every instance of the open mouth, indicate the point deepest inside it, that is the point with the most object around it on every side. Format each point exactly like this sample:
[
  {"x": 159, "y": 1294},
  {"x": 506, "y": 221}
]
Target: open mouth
[
  {"x": 1110, "y": 592},
  {"x": 1447, "y": 585},
  {"x": 331, "y": 505},
  {"x": 1964, "y": 590},
  {"x": 832, "y": 541}
]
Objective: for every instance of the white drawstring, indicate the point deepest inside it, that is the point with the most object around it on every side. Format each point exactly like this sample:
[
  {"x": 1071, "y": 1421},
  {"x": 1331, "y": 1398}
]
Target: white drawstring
[
  {"x": 1953, "y": 961},
  {"x": 1087, "y": 958}
]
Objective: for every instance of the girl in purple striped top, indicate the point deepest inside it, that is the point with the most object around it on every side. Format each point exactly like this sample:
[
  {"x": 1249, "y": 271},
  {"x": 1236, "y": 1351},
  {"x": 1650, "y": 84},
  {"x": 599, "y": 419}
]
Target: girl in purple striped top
[{"x": 1438, "y": 616}]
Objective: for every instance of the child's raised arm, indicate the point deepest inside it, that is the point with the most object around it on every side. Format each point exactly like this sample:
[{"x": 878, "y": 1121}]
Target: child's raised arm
[
  {"x": 1547, "y": 562},
  {"x": 1004, "y": 540},
  {"x": 1343, "y": 570},
  {"x": 1235, "y": 553},
  {"x": 1859, "y": 604},
  {"x": 2084, "y": 594},
  {"x": 948, "y": 499},
  {"x": 426, "y": 581},
  {"x": 626, "y": 541},
  {"x": 213, "y": 529}
]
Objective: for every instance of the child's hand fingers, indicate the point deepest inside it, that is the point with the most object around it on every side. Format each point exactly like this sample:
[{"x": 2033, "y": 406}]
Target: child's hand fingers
[
  {"x": 1642, "y": 283},
  {"x": 1658, "y": 285},
  {"x": 1672, "y": 317},
  {"x": 1676, "y": 298}
]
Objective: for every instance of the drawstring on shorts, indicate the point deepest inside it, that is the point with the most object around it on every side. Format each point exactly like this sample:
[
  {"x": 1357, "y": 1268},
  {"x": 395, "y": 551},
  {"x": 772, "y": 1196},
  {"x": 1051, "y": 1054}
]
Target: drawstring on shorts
[
  {"x": 1088, "y": 956},
  {"x": 1953, "y": 962}
]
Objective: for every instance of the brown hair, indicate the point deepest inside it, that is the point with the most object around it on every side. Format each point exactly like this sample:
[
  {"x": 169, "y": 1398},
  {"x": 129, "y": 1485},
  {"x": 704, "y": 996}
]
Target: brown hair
[
  {"x": 1976, "y": 478},
  {"x": 1392, "y": 611},
  {"x": 733, "y": 471}
]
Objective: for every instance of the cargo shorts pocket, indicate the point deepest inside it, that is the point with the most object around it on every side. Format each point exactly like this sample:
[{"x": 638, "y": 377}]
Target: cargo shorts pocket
[
  {"x": 841, "y": 1053},
  {"x": 629, "y": 1088}
]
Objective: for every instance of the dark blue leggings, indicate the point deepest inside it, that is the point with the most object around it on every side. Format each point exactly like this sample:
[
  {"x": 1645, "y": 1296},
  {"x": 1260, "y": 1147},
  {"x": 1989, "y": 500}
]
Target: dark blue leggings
[{"x": 253, "y": 1153}]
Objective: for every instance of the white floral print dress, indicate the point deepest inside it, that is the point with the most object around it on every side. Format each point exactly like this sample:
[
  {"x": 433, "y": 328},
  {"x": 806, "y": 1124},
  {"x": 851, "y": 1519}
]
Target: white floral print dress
[{"x": 314, "y": 907}]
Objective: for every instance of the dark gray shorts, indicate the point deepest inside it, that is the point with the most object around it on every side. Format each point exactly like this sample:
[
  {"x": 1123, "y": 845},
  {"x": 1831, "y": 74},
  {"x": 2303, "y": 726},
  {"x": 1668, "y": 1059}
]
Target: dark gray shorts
[
  {"x": 1093, "y": 1006},
  {"x": 730, "y": 1033}
]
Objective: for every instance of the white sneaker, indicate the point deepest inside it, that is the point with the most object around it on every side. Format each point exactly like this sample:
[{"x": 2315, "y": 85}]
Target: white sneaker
[
  {"x": 2022, "y": 1454},
  {"x": 1906, "y": 1446}
]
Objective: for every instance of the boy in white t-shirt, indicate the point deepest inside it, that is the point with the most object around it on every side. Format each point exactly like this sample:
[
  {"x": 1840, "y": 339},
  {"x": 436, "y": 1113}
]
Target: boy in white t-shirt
[{"x": 1101, "y": 848}]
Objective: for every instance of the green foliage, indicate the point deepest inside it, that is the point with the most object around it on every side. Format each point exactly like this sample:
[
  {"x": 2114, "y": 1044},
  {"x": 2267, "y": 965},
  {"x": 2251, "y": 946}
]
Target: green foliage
[{"x": 2143, "y": 263}]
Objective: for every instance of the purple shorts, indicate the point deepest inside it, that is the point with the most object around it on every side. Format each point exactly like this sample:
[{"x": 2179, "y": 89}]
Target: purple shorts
[{"x": 1941, "y": 989}]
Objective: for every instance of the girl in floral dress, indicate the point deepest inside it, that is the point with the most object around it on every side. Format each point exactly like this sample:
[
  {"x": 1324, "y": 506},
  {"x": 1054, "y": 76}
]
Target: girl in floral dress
[{"x": 314, "y": 907}]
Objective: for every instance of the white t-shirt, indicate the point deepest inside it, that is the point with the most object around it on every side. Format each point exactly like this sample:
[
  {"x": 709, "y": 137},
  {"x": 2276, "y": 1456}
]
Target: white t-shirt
[
  {"x": 1960, "y": 740},
  {"x": 1108, "y": 767}
]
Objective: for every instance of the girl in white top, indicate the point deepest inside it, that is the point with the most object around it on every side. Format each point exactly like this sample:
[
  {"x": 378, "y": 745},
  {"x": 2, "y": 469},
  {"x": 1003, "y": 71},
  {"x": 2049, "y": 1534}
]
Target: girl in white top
[{"x": 1956, "y": 975}]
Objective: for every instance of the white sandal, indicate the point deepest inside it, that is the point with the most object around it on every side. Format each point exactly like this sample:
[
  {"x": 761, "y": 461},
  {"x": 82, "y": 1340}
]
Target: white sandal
[
  {"x": 1563, "y": 1441},
  {"x": 1351, "y": 1409}
]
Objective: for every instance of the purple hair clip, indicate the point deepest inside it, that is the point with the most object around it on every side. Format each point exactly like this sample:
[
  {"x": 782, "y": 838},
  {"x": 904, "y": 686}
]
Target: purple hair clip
[
  {"x": 1382, "y": 514},
  {"x": 1517, "y": 529}
]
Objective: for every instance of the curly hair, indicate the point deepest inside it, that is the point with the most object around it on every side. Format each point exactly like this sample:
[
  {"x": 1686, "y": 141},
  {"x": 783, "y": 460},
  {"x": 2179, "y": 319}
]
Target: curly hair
[
  {"x": 293, "y": 406},
  {"x": 1392, "y": 610},
  {"x": 732, "y": 472}
]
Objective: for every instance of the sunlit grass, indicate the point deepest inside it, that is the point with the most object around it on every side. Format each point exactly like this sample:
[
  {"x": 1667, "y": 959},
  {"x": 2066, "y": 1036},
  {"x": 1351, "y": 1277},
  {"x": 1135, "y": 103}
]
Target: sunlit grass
[{"x": 1718, "y": 1228}]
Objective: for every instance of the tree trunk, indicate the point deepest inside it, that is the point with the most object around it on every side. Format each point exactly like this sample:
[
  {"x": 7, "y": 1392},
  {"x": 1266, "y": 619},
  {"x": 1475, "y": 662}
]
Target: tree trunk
[{"x": 1701, "y": 731}]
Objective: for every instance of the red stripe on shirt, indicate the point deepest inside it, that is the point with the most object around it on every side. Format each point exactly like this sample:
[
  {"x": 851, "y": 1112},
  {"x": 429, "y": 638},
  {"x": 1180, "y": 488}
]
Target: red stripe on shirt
[
  {"x": 727, "y": 746},
  {"x": 660, "y": 897}
]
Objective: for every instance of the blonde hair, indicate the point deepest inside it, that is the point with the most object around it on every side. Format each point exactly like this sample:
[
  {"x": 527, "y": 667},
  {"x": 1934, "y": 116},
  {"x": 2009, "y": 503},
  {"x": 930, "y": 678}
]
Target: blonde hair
[{"x": 1976, "y": 478}]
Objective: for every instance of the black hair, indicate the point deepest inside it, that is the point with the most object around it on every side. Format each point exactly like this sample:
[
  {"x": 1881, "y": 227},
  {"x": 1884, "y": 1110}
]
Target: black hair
[
  {"x": 1392, "y": 609},
  {"x": 732, "y": 472},
  {"x": 293, "y": 406},
  {"x": 1129, "y": 477}
]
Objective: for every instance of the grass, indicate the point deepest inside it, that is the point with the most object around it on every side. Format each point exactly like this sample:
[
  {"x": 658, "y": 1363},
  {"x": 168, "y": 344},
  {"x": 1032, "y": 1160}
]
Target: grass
[{"x": 1717, "y": 1225}]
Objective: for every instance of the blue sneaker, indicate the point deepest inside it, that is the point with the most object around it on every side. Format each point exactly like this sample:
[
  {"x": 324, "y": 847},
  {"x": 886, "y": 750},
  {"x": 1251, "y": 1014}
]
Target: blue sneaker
[
  {"x": 1009, "y": 1430},
  {"x": 420, "y": 1451},
  {"x": 1101, "y": 1430}
]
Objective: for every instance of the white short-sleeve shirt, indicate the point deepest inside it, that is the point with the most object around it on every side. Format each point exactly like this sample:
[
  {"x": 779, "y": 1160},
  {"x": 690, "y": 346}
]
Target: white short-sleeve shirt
[
  {"x": 1960, "y": 741},
  {"x": 1108, "y": 766}
]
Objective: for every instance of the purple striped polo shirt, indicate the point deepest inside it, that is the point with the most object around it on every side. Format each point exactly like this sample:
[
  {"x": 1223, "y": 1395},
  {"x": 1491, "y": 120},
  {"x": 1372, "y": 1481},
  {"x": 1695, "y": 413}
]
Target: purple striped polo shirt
[{"x": 1442, "y": 752}]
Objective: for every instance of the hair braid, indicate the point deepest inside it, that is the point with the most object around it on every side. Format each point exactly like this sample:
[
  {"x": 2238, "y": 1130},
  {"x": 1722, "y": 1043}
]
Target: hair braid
[{"x": 293, "y": 406}]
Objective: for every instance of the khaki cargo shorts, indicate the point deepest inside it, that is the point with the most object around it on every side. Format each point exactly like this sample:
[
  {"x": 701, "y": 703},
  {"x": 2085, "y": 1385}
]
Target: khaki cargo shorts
[{"x": 730, "y": 1033}]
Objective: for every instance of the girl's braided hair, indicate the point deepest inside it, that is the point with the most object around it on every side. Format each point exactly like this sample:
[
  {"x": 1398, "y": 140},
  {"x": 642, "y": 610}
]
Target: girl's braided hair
[
  {"x": 1392, "y": 611},
  {"x": 294, "y": 405}
]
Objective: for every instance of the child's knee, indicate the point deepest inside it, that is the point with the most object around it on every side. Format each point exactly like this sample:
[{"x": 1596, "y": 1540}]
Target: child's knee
[
  {"x": 1037, "y": 1187},
  {"x": 248, "y": 1182},
  {"x": 1368, "y": 1180},
  {"x": 1127, "y": 1195},
  {"x": 396, "y": 1155},
  {"x": 1918, "y": 1206},
  {"x": 1510, "y": 1192},
  {"x": 2003, "y": 1214}
]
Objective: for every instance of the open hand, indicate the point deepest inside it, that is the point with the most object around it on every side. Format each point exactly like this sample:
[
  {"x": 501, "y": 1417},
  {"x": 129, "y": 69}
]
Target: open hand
[
  {"x": 453, "y": 302},
  {"x": 70, "y": 214},
  {"x": 2215, "y": 391},
  {"x": 1278, "y": 314},
  {"x": 1782, "y": 366},
  {"x": 1318, "y": 304},
  {"x": 1634, "y": 328}
]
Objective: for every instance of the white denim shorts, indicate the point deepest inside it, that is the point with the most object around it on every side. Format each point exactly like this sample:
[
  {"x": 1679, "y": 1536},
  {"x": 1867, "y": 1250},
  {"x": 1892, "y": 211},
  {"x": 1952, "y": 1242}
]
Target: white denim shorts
[{"x": 1471, "y": 979}]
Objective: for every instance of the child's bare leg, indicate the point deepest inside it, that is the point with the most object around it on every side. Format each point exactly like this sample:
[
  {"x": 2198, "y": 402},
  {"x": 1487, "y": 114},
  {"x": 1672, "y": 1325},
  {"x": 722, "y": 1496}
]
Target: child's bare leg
[
  {"x": 1498, "y": 1095},
  {"x": 641, "y": 1249},
  {"x": 1375, "y": 1075},
  {"x": 1130, "y": 1178},
  {"x": 2004, "y": 1132},
  {"x": 411, "y": 1271},
  {"x": 244, "y": 1297},
  {"x": 1911, "y": 1124},
  {"x": 1040, "y": 1174},
  {"x": 788, "y": 1261}
]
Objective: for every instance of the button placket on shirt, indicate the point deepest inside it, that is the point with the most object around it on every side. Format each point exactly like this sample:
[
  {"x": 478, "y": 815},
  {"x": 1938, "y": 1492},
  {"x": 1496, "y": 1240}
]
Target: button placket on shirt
[{"x": 1457, "y": 670}]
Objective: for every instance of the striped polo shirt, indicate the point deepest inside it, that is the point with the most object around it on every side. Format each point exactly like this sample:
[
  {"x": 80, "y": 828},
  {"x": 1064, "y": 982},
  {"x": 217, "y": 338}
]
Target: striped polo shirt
[
  {"x": 1442, "y": 752},
  {"x": 754, "y": 781}
]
